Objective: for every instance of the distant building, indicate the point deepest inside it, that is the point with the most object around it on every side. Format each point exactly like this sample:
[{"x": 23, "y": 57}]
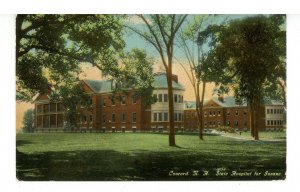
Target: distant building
[{"x": 224, "y": 111}]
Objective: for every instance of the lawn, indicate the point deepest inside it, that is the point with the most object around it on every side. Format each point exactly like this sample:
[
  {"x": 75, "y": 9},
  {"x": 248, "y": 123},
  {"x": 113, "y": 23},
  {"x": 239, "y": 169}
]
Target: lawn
[{"x": 147, "y": 156}]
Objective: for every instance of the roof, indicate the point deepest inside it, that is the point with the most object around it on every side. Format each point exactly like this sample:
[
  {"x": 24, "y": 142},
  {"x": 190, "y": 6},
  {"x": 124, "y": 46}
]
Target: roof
[
  {"x": 272, "y": 102},
  {"x": 99, "y": 86},
  {"x": 104, "y": 86},
  {"x": 160, "y": 82},
  {"x": 228, "y": 102}
]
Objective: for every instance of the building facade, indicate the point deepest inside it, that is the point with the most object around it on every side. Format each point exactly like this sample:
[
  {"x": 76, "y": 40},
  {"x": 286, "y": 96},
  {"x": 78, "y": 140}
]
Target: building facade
[
  {"x": 125, "y": 111},
  {"x": 224, "y": 111},
  {"x": 115, "y": 112}
]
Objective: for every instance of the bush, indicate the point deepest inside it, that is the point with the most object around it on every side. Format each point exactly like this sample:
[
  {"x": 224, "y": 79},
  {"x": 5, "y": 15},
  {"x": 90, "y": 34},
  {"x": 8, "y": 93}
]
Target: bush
[
  {"x": 226, "y": 129},
  {"x": 28, "y": 119}
]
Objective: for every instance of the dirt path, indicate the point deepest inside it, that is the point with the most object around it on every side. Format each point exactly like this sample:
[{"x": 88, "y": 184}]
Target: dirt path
[{"x": 250, "y": 139}]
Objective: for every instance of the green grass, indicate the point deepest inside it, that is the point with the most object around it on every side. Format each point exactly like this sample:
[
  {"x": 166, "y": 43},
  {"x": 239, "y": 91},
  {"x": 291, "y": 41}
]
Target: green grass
[{"x": 144, "y": 156}]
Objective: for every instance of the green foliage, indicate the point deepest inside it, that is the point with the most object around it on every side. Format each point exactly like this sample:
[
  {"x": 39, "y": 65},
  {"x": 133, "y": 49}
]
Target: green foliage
[
  {"x": 254, "y": 51},
  {"x": 49, "y": 48},
  {"x": 28, "y": 121},
  {"x": 226, "y": 129}
]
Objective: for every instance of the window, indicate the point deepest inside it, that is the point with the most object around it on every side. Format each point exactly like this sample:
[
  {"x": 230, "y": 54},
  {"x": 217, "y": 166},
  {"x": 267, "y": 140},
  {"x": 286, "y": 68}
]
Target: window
[
  {"x": 154, "y": 116},
  {"x": 236, "y": 112},
  {"x": 228, "y": 123},
  {"x": 268, "y": 111},
  {"x": 159, "y": 116},
  {"x": 155, "y": 96},
  {"x": 123, "y": 117},
  {"x": 159, "y": 97},
  {"x": 275, "y": 122},
  {"x": 60, "y": 120},
  {"x": 268, "y": 122},
  {"x": 39, "y": 108},
  {"x": 46, "y": 121},
  {"x": 113, "y": 118},
  {"x": 123, "y": 98},
  {"x": 205, "y": 123},
  {"x": 214, "y": 113},
  {"x": 84, "y": 119},
  {"x": 210, "y": 113},
  {"x": 133, "y": 99},
  {"x": 53, "y": 107},
  {"x": 52, "y": 121},
  {"x": 179, "y": 117},
  {"x": 245, "y": 112},
  {"x": 46, "y": 108},
  {"x": 165, "y": 116},
  {"x": 275, "y": 111},
  {"x": 271, "y": 122},
  {"x": 103, "y": 118},
  {"x": 91, "y": 118},
  {"x": 175, "y": 98},
  {"x": 236, "y": 123},
  {"x": 91, "y": 102},
  {"x": 175, "y": 117},
  {"x": 228, "y": 112},
  {"x": 60, "y": 107},
  {"x": 205, "y": 114},
  {"x": 165, "y": 97},
  {"x": 271, "y": 111},
  {"x": 103, "y": 102},
  {"x": 179, "y": 98},
  {"x": 219, "y": 113},
  {"x": 113, "y": 100},
  {"x": 133, "y": 117}
]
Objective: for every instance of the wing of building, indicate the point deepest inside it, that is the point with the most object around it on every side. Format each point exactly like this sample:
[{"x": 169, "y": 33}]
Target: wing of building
[{"x": 225, "y": 111}]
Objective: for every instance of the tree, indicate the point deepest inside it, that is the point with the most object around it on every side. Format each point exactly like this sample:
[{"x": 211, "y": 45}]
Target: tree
[
  {"x": 254, "y": 49},
  {"x": 160, "y": 32},
  {"x": 50, "y": 49},
  {"x": 203, "y": 66},
  {"x": 28, "y": 121}
]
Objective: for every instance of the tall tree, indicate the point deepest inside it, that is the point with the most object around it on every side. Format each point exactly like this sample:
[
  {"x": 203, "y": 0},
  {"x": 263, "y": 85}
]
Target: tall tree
[
  {"x": 203, "y": 65},
  {"x": 160, "y": 32},
  {"x": 254, "y": 48}
]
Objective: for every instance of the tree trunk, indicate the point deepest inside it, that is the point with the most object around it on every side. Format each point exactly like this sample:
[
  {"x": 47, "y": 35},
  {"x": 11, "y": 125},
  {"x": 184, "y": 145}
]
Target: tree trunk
[
  {"x": 251, "y": 120},
  {"x": 171, "y": 108},
  {"x": 256, "y": 116},
  {"x": 201, "y": 110}
]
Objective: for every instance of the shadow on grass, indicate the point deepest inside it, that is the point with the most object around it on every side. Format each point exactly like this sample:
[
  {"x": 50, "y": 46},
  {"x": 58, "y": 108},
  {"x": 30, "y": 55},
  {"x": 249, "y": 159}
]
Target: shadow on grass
[{"x": 110, "y": 165}]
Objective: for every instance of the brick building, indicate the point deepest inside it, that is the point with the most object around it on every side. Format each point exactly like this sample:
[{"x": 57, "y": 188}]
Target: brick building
[
  {"x": 224, "y": 111},
  {"x": 114, "y": 112}
]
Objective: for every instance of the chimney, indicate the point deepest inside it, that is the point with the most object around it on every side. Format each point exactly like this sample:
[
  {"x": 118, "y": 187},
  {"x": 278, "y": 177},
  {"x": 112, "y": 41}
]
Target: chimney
[
  {"x": 221, "y": 98},
  {"x": 175, "y": 78}
]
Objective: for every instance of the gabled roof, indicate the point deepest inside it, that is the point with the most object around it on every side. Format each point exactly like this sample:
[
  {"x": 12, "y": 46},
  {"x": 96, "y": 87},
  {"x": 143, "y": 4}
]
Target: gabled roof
[
  {"x": 99, "y": 86},
  {"x": 160, "y": 82},
  {"x": 228, "y": 102},
  {"x": 104, "y": 86}
]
